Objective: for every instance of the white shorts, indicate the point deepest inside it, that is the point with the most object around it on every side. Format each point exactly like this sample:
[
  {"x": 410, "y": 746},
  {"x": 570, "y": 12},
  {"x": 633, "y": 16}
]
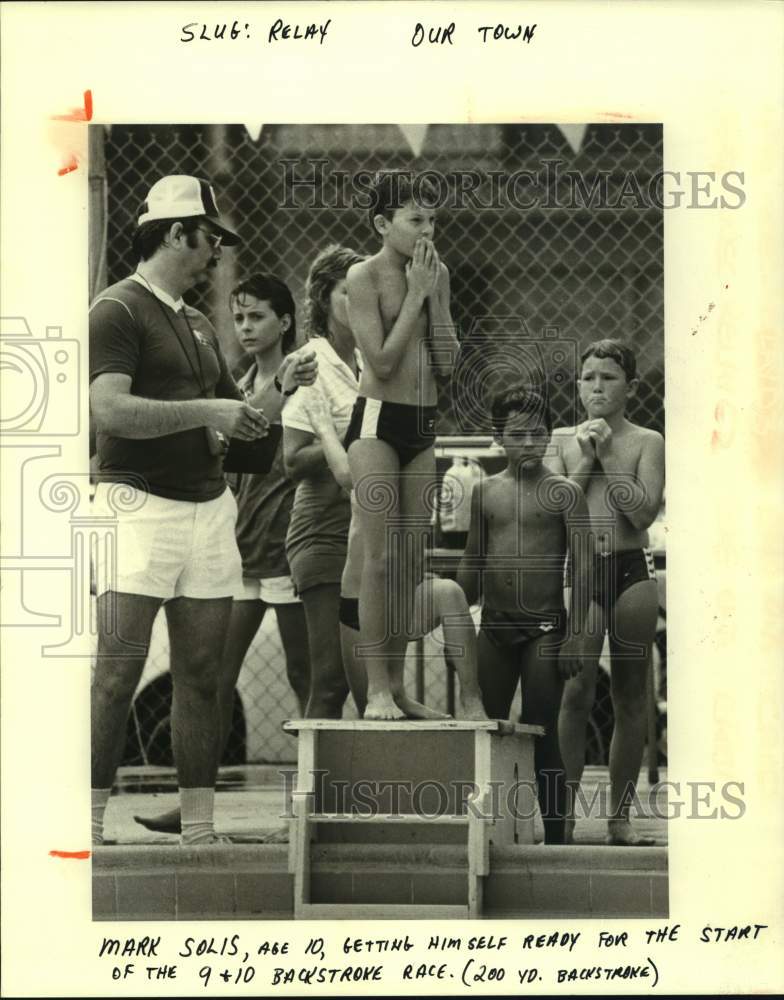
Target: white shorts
[
  {"x": 271, "y": 590},
  {"x": 167, "y": 548}
]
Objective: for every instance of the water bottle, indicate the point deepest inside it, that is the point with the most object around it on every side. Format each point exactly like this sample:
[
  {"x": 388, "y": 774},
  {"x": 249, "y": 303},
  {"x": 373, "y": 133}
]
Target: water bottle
[{"x": 456, "y": 489}]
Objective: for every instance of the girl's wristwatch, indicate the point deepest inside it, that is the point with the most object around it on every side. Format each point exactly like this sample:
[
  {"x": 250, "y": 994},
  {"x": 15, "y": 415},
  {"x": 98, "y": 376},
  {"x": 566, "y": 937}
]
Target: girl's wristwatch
[{"x": 279, "y": 387}]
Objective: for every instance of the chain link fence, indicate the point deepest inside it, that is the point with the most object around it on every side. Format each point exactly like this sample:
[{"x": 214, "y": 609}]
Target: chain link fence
[{"x": 547, "y": 249}]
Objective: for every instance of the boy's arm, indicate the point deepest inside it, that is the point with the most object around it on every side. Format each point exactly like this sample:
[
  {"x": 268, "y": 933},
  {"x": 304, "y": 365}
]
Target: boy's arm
[
  {"x": 638, "y": 497},
  {"x": 444, "y": 345},
  {"x": 581, "y": 542},
  {"x": 384, "y": 352},
  {"x": 581, "y": 473},
  {"x": 554, "y": 457},
  {"x": 471, "y": 568},
  {"x": 581, "y": 547}
]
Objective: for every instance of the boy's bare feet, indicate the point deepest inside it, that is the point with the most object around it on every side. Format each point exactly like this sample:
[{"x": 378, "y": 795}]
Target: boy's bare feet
[
  {"x": 416, "y": 710},
  {"x": 471, "y": 707},
  {"x": 386, "y": 706},
  {"x": 168, "y": 822},
  {"x": 621, "y": 834},
  {"x": 382, "y": 706}
]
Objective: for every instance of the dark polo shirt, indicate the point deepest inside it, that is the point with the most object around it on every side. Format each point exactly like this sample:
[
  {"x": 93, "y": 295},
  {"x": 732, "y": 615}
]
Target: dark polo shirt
[{"x": 132, "y": 332}]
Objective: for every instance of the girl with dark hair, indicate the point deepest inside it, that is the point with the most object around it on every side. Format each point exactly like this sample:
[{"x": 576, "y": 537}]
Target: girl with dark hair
[{"x": 265, "y": 325}]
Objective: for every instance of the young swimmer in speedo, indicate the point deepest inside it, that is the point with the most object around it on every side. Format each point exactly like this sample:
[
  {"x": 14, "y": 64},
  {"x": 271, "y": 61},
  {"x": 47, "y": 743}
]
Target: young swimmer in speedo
[
  {"x": 523, "y": 522},
  {"x": 620, "y": 468},
  {"x": 436, "y": 601},
  {"x": 398, "y": 304}
]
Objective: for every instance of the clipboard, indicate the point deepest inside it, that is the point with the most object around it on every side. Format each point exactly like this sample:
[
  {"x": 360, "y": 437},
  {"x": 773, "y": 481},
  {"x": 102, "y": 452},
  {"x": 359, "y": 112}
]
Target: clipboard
[{"x": 253, "y": 456}]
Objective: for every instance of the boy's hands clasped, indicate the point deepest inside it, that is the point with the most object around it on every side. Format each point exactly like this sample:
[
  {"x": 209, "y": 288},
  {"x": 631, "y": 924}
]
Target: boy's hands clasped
[
  {"x": 594, "y": 438},
  {"x": 423, "y": 269}
]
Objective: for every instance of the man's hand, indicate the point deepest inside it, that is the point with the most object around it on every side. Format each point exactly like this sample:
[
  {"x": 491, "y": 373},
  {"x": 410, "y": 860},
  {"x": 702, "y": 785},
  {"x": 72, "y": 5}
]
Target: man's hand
[
  {"x": 570, "y": 657},
  {"x": 299, "y": 368},
  {"x": 422, "y": 270},
  {"x": 238, "y": 420}
]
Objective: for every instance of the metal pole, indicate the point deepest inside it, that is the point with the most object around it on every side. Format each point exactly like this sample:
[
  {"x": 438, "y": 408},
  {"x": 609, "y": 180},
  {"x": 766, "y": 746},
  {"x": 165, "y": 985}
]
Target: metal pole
[
  {"x": 97, "y": 209},
  {"x": 653, "y": 747},
  {"x": 420, "y": 670},
  {"x": 225, "y": 276}
]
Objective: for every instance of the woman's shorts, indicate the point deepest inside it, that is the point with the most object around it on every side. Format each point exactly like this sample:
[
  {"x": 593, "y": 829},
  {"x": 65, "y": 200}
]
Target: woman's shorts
[
  {"x": 314, "y": 567},
  {"x": 271, "y": 590}
]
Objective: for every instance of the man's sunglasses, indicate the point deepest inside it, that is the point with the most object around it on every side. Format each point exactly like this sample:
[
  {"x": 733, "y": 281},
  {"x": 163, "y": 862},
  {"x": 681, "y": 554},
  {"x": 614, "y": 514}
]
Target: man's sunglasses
[{"x": 214, "y": 240}]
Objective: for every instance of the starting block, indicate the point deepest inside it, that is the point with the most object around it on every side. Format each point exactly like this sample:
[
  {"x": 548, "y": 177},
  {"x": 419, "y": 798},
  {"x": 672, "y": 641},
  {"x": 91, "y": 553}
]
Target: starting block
[{"x": 410, "y": 782}]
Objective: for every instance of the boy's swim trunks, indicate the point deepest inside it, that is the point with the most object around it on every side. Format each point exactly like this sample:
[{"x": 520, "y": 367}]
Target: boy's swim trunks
[
  {"x": 516, "y": 628},
  {"x": 615, "y": 572},
  {"x": 408, "y": 429}
]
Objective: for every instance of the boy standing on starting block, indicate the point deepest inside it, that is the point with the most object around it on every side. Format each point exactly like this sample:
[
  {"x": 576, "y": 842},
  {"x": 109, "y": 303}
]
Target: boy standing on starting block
[
  {"x": 398, "y": 304},
  {"x": 620, "y": 468},
  {"x": 437, "y": 602},
  {"x": 523, "y": 522}
]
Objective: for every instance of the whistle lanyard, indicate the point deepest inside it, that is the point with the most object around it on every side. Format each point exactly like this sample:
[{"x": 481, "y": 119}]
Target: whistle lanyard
[{"x": 197, "y": 375}]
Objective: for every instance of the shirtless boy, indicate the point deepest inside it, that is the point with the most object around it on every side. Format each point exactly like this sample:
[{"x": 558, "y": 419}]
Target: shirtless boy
[
  {"x": 523, "y": 522},
  {"x": 398, "y": 304},
  {"x": 620, "y": 468},
  {"x": 437, "y": 602}
]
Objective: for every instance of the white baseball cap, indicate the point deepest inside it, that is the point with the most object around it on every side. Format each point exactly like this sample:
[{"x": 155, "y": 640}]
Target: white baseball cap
[{"x": 179, "y": 196}]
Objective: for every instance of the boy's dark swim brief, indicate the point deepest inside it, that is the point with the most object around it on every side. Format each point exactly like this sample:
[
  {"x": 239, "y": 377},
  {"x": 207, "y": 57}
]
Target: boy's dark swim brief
[
  {"x": 406, "y": 428},
  {"x": 516, "y": 628},
  {"x": 615, "y": 572}
]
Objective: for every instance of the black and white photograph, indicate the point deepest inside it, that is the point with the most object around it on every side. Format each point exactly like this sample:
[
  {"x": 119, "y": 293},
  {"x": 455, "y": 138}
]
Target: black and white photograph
[
  {"x": 389, "y": 424},
  {"x": 385, "y": 303}
]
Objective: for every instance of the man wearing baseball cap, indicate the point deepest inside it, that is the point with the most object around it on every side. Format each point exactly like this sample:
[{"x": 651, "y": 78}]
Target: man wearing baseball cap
[{"x": 163, "y": 403}]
